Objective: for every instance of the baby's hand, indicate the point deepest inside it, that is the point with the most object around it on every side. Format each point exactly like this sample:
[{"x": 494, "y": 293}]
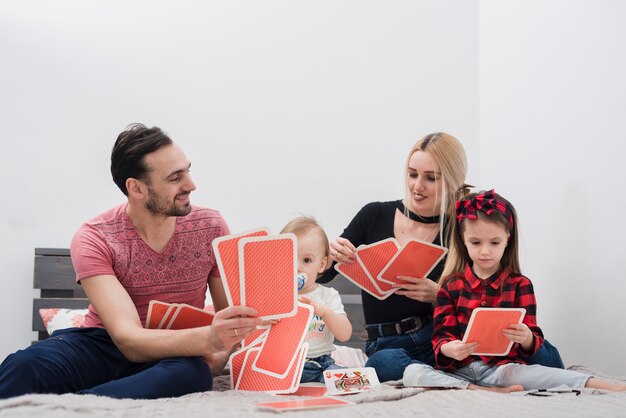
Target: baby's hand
[
  {"x": 520, "y": 333},
  {"x": 458, "y": 350},
  {"x": 319, "y": 309}
]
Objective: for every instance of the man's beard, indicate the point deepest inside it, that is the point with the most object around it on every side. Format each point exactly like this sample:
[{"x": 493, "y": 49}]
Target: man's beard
[{"x": 158, "y": 206}]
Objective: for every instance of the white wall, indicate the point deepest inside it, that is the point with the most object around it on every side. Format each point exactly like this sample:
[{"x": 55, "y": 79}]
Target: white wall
[
  {"x": 287, "y": 107},
  {"x": 282, "y": 107},
  {"x": 553, "y": 106}
]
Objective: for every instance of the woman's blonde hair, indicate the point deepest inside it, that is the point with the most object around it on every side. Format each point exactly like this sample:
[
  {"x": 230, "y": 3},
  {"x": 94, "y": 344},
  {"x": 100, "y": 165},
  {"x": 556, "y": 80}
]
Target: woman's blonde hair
[
  {"x": 458, "y": 255},
  {"x": 449, "y": 155}
]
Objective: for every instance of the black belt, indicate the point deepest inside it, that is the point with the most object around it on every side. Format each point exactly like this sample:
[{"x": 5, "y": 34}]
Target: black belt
[{"x": 404, "y": 326}]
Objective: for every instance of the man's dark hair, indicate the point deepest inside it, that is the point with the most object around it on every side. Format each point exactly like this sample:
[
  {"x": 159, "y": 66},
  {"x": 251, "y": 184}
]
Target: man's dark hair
[{"x": 131, "y": 146}]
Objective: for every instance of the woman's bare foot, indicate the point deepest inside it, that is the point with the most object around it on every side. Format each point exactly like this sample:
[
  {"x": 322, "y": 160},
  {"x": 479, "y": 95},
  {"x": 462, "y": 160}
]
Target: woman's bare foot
[{"x": 506, "y": 389}]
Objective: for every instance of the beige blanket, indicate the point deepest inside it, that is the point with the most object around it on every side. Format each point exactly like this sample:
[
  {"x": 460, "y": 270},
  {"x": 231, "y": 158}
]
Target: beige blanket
[{"x": 384, "y": 401}]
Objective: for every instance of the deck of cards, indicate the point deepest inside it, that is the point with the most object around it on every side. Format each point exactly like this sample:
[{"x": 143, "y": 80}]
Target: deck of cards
[{"x": 379, "y": 265}]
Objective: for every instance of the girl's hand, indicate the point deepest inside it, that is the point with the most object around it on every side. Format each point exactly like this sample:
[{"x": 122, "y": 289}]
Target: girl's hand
[
  {"x": 520, "y": 333},
  {"x": 342, "y": 251},
  {"x": 458, "y": 350},
  {"x": 421, "y": 289},
  {"x": 319, "y": 309}
]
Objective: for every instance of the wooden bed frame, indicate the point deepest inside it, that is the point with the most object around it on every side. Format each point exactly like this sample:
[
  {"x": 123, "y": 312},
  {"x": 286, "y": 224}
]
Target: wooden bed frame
[{"x": 56, "y": 279}]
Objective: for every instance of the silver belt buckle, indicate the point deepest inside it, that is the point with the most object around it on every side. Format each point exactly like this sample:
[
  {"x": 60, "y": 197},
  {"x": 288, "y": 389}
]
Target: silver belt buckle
[{"x": 417, "y": 323}]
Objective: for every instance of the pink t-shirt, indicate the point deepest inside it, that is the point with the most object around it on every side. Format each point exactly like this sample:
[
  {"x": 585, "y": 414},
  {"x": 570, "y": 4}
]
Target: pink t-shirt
[{"x": 110, "y": 245}]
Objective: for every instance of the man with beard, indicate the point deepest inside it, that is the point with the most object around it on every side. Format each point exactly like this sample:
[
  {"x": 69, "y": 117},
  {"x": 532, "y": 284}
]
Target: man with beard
[{"x": 155, "y": 246}]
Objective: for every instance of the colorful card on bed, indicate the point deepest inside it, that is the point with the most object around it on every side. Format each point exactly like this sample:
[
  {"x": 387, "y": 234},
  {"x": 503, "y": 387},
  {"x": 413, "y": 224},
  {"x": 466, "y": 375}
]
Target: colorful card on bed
[
  {"x": 226, "y": 251},
  {"x": 350, "y": 380},
  {"x": 162, "y": 315},
  {"x": 485, "y": 327},
  {"x": 299, "y": 404},
  {"x": 268, "y": 266},
  {"x": 415, "y": 259}
]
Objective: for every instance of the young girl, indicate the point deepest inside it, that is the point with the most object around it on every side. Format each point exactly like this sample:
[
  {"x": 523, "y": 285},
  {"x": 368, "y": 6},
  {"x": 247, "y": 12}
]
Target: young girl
[
  {"x": 483, "y": 270},
  {"x": 329, "y": 320}
]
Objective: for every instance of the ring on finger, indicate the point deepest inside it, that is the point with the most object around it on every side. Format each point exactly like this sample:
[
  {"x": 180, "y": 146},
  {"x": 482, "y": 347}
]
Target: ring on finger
[{"x": 236, "y": 333}]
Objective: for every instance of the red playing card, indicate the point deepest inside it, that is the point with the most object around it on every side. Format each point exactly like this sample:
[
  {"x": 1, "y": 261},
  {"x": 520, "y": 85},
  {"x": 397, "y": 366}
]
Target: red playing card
[
  {"x": 355, "y": 273},
  {"x": 485, "y": 327},
  {"x": 297, "y": 404},
  {"x": 256, "y": 337},
  {"x": 171, "y": 311},
  {"x": 374, "y": 257},
  {"x": 309, "y": 389},
  {"x": 284, "y": 339},
  {"x": 415, "y": 259},
  {"x": 190, "y": 317},
  {"x": 236, "y": 362},
  {"x": 249, "y": 379},
  {"x": 268, "y": 267},
  {"x": 156, "y": 312},
  {"x": 226, "y": 250}
]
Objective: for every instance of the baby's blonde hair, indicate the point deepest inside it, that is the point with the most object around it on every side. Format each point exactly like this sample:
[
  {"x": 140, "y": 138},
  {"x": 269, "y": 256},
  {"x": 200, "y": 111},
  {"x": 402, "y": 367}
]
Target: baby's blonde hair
[{"x": 304, "y": 224}]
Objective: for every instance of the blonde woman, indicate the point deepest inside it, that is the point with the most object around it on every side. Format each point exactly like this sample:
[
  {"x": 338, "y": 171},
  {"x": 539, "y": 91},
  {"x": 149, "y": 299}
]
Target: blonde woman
[{"x": 399, "y": 328}]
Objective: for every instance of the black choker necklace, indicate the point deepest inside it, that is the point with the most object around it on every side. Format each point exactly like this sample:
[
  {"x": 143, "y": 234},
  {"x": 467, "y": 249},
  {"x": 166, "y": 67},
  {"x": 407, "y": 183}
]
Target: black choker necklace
[{"x": 417, "y": 218}]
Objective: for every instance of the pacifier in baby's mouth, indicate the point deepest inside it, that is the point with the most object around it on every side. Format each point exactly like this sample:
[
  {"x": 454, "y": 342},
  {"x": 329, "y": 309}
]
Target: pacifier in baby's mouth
[{"x": 301, "y": 278}]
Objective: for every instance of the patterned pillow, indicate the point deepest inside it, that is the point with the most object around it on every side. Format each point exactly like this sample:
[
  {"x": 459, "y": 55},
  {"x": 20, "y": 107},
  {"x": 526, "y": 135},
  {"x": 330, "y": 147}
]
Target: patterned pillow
[{"x": 61, "y": 318}]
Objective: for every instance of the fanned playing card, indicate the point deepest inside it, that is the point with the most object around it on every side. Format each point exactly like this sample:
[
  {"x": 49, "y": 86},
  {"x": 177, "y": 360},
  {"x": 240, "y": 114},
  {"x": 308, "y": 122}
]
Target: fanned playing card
[
  {"x": 249, "y": 379},
  {"x": 280, "y": 349},
  {"x": 374, "y": 257},
  {"x": 256, "y": 338},
  {"x": 226, "y": 251},
  {"x": 355, "y": 273},
  {"x": 171, "y": 310},
  {"x": 485, "y": 327},
  {"x": 299, "y": 404},
  {"x": 268, "y": 266},
  {"x": 188, "y": 316},
  {"x": 156, "y": 312},
  {"x": 415, "y": 259},
  {"x": 350, "y": 380}
]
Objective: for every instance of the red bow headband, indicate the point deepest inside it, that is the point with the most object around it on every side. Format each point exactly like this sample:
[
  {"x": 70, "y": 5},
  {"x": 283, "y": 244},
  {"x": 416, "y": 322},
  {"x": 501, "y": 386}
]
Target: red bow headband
[{"x": 485, "y": 202}]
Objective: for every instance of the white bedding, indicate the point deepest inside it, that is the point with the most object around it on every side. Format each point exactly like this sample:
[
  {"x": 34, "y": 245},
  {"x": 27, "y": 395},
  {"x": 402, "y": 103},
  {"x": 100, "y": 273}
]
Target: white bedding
[{"x": 385, "y": 401}]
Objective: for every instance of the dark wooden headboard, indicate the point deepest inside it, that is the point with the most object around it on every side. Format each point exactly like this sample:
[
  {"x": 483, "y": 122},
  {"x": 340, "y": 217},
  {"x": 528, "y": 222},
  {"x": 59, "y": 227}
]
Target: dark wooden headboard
[{"x": 56, "y": 279}]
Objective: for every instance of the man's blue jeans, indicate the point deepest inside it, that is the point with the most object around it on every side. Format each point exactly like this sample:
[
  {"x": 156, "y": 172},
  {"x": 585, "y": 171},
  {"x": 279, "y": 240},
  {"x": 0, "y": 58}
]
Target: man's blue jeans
[{"x": 85, "y": 360}]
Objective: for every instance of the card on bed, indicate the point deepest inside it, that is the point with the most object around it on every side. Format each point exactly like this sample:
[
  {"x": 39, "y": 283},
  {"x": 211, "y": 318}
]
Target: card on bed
[
  {"x": 355, "y": 273},
  {"x": 226, "y": 251},
  {"x": 374, "y": 257},
  {"x": 313, "y": 389},
  {"x": 280, "y": 348},
  {"x": 485, "y": 327},
  {"x": 298, "y": 404},
  {"x": 415, "y": 259},
  {"x": 350, "y": 380},
  {"x": 268, "y": 266}
]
